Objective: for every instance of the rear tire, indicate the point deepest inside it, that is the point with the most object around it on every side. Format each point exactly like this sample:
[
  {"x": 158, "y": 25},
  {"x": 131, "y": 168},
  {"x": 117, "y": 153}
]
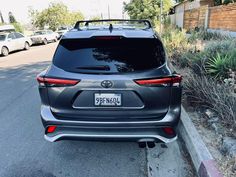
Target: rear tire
[
  {"x": 45, "y": 41},
  {"x": 5, "y": 51},
  {"x": 27, "y": 46}
]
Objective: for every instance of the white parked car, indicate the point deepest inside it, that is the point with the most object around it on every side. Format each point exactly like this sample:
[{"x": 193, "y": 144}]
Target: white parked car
[
  {"x": 62, "y": 30},
  {"x": 13, "y": 41},
  {"x": 44, "y": 36}
]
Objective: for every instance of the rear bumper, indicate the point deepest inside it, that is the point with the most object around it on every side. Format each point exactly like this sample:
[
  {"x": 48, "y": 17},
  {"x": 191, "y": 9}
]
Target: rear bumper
[
  {"x": 36, "y": 41},
  {"x": 138, "y": 137},
  {"x": 110, "y": 131}
]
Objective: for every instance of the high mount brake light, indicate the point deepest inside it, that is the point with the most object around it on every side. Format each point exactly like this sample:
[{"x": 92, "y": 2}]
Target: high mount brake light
[
  {"x": 108, "y": 37},
  {"x": 45, "y": 81},
  {"x": 166, "y": 81}
]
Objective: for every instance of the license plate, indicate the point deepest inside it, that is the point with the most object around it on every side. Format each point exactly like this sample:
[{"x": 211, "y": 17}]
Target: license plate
[{"x": 107, "y": 99}]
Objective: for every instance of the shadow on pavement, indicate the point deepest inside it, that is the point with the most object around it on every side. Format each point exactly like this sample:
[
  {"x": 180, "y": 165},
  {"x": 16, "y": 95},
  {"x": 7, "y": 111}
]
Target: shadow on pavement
[
  {"x": 25, "y": 153},
  {"x": 22, "y": 70}
]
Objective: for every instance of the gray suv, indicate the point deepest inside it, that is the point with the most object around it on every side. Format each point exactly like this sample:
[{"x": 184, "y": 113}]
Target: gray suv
[{"x": 109, "y": 81}]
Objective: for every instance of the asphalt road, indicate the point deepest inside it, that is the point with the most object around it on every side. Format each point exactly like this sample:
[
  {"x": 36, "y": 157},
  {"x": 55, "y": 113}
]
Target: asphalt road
[{"x": 25, "y": 153}]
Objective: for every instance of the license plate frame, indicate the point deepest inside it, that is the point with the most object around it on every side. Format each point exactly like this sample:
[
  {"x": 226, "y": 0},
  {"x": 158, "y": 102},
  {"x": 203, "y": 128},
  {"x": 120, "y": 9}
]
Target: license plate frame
[{"x": 102, "y": 99}]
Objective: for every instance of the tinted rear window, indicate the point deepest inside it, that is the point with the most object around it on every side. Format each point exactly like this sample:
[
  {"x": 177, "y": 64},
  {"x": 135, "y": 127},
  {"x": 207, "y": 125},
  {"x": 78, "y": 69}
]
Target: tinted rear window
[{"x": 115, "y": 55}]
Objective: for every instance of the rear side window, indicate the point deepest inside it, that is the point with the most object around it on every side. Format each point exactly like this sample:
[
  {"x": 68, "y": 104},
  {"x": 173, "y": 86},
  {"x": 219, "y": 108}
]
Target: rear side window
[
  {"x": 11, "y": 36},
  {"x": 18, "y": 35},
  {"x": 109, "y": 55}
]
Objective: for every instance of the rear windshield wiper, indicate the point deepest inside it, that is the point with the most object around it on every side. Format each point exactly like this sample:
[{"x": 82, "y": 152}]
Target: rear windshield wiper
[{"x": 95, "y": 67}]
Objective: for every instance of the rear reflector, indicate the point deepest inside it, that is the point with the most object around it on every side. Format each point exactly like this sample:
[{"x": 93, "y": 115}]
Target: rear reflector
[
  {"x": 165, "y": 81},
  {"x": 45, "y": 81},
  {"x": 169, "y": 130},
  {"x": 51, "y": 129}
]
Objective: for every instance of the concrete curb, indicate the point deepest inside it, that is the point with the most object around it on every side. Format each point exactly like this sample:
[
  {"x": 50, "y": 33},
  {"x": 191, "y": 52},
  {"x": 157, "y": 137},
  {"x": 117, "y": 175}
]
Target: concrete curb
[{"x": 203, "y": 161}]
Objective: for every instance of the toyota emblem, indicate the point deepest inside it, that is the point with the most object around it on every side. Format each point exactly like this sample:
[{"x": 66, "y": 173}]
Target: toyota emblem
[{"x": 106, "y": 84}]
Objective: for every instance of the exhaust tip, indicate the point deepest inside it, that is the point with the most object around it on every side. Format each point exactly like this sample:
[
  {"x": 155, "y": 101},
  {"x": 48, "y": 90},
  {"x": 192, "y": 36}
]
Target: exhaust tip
[
  {"x": 142, "y": 144},
  {"x": 151, "y": 144}
]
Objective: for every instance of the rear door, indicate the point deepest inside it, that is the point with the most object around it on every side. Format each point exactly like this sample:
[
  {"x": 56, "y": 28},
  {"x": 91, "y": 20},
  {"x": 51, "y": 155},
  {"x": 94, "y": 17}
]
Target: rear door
[
  {"x": 115, "y": 78},
  {"x": 11, "y": 42},
  {"x": 20, "y": 41}
]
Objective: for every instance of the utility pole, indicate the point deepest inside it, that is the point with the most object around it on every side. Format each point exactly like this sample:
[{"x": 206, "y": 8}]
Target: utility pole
[
  {"x": 161, "y": 16},
  {"x": 109, "y": 12}
]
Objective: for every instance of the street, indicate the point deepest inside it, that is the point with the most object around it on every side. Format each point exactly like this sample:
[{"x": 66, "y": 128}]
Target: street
[{"x": 24, "y": 152}]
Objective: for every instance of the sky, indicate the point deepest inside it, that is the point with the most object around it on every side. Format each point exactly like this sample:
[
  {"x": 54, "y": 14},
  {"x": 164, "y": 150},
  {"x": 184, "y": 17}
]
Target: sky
[{"x": 89, "y": 8}]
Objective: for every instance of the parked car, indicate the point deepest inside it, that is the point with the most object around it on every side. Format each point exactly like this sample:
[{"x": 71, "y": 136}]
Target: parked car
[
  {"x": 110, "y": 83},
  {"x": 62, "y": 30},
  {"x": 13, "y": 41},
  {"x": 44, "y": 37}
]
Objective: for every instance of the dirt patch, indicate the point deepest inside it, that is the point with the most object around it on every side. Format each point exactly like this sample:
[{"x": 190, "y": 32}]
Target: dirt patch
[{"x": 213, "y": 139}]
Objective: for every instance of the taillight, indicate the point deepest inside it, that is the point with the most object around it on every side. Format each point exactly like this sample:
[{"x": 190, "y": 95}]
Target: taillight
[
  {"x": 46, "y": 81},
  {"x": 51, "y": 129},
  {"x": 165, "y": 81}
]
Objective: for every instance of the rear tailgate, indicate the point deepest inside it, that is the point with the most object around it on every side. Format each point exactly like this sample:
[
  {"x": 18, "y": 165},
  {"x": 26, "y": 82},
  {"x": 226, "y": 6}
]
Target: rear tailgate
[{"x": 118, "y": 61}]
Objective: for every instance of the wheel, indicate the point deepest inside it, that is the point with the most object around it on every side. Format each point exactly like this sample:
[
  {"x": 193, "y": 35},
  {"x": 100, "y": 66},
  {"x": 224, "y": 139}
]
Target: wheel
[
  {"x": 5, "y": 51},
  {"x": 27, "y": 46},
  {"x": 45, "y": 41}
]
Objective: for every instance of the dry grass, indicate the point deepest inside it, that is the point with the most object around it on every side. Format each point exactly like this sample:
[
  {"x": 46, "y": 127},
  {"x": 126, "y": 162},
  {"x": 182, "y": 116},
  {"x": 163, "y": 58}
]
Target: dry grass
[{"x": 207, "y": 92}]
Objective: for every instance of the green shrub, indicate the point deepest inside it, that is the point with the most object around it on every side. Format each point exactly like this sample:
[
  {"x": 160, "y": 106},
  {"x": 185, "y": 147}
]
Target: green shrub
[
  {"x": 232, "y": 61},
  {"x": 175, "y": 41},
  {"x": 218, "y": 66},
  {"x": 221, "y": 56},
  {"x": 18, "y": 27},
  {"x": 222, "y": 47},
  {"x": 203, "y": 34}
]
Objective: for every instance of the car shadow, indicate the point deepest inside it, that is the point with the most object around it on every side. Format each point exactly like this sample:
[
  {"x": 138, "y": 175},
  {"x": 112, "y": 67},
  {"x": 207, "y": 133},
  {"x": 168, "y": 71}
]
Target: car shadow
[{"x": 25, "y": 153}]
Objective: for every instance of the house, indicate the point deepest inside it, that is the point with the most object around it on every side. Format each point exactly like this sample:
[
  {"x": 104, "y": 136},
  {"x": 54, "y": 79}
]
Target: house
[
  {"x": 203, "y": 14},
  {"x": 180, "y": 8}
]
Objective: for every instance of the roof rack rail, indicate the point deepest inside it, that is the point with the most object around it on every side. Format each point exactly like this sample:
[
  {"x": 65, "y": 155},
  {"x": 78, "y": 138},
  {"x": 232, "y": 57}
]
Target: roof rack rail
[{"x": 87, "y": 22}]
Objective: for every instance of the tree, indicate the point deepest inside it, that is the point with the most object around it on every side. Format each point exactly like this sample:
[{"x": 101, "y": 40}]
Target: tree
[
  {"x": 1, "y": 18},
  {"x": 11, "y": 18},
  {"x": 73, "y": 17},
  {"x": 147, "y": 9},
  {"x": 18, "y": 27},
  {"x": 56, "y": 15}
]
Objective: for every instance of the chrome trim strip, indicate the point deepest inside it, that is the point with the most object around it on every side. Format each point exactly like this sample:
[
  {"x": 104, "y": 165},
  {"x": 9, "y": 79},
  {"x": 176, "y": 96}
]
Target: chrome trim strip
[
  {"x": 156, "y": 137},
  {"x": 111, "y": 107}
]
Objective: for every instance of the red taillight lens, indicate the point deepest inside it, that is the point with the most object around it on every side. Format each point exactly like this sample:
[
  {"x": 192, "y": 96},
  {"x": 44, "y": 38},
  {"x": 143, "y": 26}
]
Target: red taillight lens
[
  {"x": 51, "y": 129},
  {"x": 45, "y": 81},
  {"x": 166, "y": 81},
  {"x": 169, "y": 130},
  {"x": 176, "y": 80}
]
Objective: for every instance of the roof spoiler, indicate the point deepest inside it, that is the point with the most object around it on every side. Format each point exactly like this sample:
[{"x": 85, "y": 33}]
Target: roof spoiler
[{"x": 87, "y": 22}]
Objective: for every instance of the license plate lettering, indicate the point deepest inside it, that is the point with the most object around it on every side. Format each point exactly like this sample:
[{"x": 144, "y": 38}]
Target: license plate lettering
[{"x": 107, "y": 99}]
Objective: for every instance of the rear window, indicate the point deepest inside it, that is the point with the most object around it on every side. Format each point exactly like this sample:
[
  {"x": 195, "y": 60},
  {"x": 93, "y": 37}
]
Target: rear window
[{"x": 109, "y": 55}]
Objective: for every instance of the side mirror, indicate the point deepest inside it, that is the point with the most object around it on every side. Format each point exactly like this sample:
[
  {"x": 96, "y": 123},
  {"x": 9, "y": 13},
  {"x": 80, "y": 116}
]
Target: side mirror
[{"x": 9, "y": 39}]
